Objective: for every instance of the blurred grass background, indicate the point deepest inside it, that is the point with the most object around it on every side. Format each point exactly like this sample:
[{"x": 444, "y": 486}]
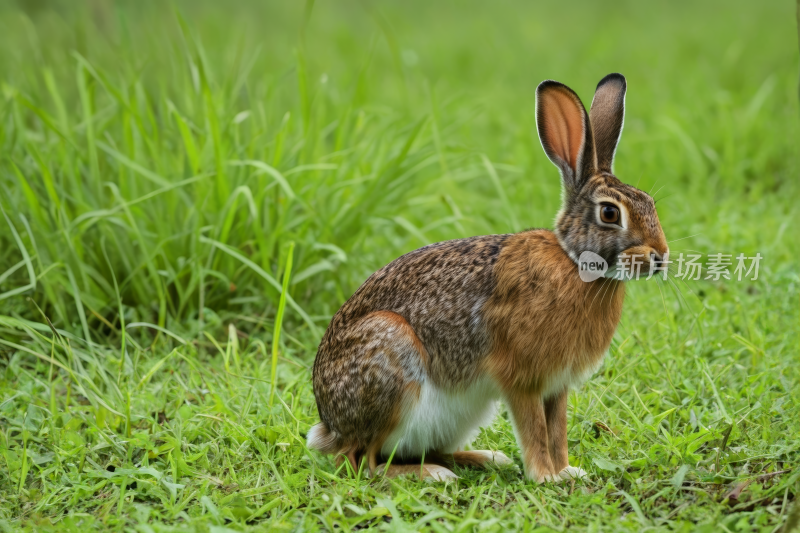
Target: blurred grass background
[{"x": 157, "y": 160}]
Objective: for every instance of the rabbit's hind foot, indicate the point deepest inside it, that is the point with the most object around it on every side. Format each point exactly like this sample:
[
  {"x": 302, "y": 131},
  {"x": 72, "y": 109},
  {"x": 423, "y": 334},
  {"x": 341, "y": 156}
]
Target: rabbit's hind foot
[
  {"x": 481, "y": 458},
  {"x": 428, "y": 471}
]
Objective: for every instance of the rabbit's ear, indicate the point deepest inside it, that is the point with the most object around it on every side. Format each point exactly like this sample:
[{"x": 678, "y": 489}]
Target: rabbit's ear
[
  {"x": 565, "y": 132},
  {"x": 607, "y": 115}
]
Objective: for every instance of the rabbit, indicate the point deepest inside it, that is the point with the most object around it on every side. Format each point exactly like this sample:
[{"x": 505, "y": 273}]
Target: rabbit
[{"x": 416, "y": 361}]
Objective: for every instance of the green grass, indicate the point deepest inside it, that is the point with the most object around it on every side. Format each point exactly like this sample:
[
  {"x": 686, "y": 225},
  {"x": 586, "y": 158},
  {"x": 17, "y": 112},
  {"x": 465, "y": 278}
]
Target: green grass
[{"x": 158, "y": 164}]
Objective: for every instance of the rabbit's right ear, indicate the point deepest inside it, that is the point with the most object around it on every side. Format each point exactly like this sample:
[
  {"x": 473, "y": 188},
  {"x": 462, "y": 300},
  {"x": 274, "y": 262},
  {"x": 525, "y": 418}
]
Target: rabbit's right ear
[{"x": 565, "y": 133}]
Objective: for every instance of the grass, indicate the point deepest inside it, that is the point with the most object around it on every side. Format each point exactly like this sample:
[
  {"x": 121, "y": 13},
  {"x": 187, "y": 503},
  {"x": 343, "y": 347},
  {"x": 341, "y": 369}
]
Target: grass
[{"x": 165, "y": 169}]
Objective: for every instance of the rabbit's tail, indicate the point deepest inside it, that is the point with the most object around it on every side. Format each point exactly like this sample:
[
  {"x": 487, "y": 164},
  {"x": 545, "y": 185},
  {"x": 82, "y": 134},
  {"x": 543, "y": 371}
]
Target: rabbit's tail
[{"x": 323, "y": 439}]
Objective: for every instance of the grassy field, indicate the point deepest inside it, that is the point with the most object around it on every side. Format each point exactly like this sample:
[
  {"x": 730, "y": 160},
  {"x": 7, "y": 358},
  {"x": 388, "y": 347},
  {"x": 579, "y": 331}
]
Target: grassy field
[{"x": 159, "y": 165}]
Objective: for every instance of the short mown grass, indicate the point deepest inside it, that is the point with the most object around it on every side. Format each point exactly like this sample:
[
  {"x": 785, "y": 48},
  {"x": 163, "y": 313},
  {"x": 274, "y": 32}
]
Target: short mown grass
[{"x": 160, "y": 165}]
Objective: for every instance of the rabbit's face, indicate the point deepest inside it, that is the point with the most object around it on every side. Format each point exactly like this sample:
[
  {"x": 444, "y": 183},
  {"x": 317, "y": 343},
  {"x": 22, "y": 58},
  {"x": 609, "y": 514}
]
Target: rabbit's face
[
  {"x": 610, "y": 218},
  {"x": 600, "y": 214}
]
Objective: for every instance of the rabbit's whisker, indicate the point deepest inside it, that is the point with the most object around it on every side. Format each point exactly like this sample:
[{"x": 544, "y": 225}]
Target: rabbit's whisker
[
  {"x": 654, "y": 186},
  {"x": 658, "y": 191},
  {"x": 677, "y": 290},
  {"x": 590, "y": 291},
  {"x": 663, "y": 300},
  {"x": 605, "y": 291},
  {"x": 689, "y": 237},
  {"x": 663, "y": 198},
  {"x": 605, "y": 281}
]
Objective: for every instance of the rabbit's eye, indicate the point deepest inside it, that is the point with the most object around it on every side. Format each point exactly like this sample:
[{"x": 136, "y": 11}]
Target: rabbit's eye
[{"x": 609, "y": 214}]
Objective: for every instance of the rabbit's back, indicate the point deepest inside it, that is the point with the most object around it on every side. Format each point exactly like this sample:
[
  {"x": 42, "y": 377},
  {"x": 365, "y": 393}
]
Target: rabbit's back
[{"x": 440, "y": 290}]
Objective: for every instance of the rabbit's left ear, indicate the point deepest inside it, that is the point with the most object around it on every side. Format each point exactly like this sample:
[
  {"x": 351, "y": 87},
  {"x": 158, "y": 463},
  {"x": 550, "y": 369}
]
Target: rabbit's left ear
[{"x": 606, "y": 116}]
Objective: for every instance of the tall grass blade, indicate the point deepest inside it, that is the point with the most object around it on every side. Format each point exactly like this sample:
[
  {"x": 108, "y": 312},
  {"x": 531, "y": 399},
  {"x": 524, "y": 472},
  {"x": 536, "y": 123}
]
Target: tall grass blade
[{"x": 276, "y": 335}]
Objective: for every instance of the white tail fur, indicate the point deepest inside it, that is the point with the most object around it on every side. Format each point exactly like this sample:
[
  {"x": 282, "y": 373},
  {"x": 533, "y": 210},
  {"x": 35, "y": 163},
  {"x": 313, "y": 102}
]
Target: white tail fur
[{"x": 322, "y": 439}]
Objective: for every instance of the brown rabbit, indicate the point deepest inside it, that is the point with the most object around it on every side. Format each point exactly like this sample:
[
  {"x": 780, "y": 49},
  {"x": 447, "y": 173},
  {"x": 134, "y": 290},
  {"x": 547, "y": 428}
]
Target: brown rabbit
[{"x": 416, "y": 360}]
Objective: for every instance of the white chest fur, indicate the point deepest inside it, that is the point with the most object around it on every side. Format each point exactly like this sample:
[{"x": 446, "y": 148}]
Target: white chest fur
[
  {"x": 570, "y": 378},
  {"x": 442, "y": 420}
]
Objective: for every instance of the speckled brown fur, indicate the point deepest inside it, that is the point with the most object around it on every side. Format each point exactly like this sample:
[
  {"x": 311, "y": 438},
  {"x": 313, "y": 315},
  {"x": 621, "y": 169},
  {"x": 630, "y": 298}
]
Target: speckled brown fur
[{"x": 509, "y": 312}]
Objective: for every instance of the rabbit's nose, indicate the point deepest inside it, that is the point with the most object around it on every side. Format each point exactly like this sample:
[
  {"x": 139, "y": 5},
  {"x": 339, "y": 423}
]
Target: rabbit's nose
[{"x": 659, "y": 257}]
